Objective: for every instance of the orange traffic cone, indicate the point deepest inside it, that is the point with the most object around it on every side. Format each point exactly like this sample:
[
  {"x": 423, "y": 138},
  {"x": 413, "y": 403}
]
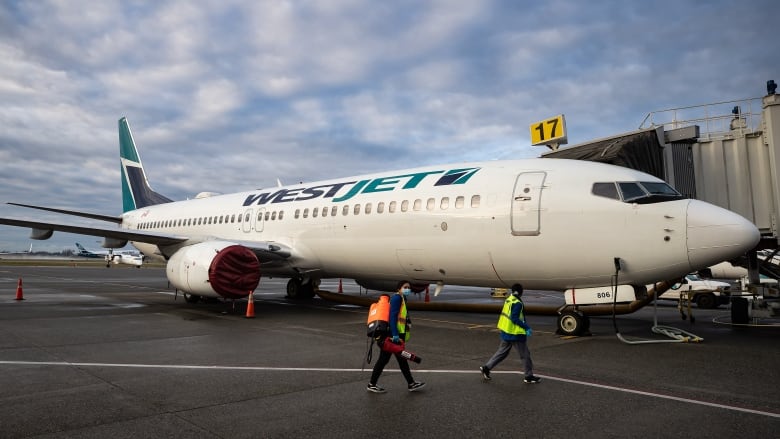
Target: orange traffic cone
[
  {"x": 427, "y": 295},
  {"x": 250, "y": 306},
  {"x": 341, "y": 287},
  {"x": 19, "y": 292}
]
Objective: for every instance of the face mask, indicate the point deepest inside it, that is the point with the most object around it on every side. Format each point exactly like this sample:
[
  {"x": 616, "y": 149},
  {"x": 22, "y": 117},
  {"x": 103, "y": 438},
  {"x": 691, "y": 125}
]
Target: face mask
[{"x": 405, "y": 291}]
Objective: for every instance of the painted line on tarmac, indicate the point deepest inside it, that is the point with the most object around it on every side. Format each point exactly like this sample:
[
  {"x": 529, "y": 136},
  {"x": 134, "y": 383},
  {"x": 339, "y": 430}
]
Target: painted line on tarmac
[{"x": 330, "y": 369}]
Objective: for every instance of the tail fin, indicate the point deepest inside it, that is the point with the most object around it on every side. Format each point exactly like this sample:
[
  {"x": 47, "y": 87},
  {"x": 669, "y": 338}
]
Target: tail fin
[
  {"x": 136, "y": 192},
  {"x": 80, "y": 247}
]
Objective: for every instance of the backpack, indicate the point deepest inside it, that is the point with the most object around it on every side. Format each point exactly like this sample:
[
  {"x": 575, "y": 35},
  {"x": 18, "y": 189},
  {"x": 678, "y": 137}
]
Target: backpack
[{"x": 378, "y": 322}]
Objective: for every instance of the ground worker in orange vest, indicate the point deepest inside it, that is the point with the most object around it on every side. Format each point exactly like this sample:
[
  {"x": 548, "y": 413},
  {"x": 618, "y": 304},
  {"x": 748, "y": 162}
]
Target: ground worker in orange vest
[{"x": 400, "y": 326}]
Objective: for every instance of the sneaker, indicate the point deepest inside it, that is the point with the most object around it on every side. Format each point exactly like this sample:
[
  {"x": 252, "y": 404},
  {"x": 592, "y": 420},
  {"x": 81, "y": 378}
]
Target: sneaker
[
  {"x": 374, "y": 388},
  {"x": 415, "y": 386},
  {"x": 532, "y": 379},
  {"x": 485, "y": 373}
]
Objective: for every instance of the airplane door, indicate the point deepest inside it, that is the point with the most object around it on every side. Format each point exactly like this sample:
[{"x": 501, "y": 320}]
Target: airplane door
[
  {"x": 247, "y": 223},
  {"x": 526, "y": 204},
  {"x": 260, "y": 220}
]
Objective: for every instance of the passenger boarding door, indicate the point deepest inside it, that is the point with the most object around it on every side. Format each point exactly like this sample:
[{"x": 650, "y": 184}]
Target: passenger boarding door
[
  {"x": 246, "y": 225},
  {"x": 527, "y": 203},
  {"x": 260, "y": 223}
]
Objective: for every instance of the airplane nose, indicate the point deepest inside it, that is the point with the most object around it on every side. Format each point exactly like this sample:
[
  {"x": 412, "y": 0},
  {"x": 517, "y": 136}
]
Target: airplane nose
[{"x": 716, "y": 234}]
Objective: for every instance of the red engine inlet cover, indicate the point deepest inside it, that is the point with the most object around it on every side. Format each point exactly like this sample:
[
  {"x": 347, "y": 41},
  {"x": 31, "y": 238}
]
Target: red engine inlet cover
[{"x": 235, "y": 272}]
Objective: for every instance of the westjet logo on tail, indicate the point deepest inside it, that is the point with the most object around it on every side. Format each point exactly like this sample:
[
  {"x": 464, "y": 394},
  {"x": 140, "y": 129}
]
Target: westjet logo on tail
[{"x": 345, "y": 190}]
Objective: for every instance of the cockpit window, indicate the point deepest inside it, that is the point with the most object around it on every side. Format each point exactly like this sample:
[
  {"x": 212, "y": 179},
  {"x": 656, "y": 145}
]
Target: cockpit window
[
  {"x": 639, "y": 192},
  {"x": 607, "y": 190},
  {"x": 631, "y": 191}
]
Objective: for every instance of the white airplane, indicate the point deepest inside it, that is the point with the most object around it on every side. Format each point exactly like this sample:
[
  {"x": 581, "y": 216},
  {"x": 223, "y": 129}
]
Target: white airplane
[
  {"x": 549, "y": 224},
  {"x": 120, "y": 257},
  {"x": 25, "y": 252}
]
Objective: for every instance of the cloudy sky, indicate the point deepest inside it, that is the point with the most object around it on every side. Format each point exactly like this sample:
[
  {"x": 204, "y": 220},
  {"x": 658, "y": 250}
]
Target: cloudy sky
[{"x": 230, "y": 95}]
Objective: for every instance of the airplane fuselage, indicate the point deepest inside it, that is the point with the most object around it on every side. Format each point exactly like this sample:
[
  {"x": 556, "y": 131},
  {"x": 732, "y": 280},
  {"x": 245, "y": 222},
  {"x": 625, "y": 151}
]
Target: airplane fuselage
[{"x": 536, "y": 221}]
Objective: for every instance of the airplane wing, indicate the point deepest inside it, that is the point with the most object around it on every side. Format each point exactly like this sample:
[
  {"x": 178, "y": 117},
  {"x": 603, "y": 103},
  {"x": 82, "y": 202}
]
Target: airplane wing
[
  {"x": 266, "y": 251},
  {"x": 114, "y": 233},
  {"x": 97, "y": 216}
]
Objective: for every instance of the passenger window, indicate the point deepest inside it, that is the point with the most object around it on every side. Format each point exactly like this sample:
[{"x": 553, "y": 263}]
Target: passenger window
[
  {"x": 281, "y": 215},
  {"x": 297, "y": 213},
  {"x": 314, "y": 212},
  {"x": 417, "y": 204},
  {"x": 475, "y": 201},
  {"x": 391, "y": 207},
  {"x": 247, "y": 217},
  {"x": 380, "y": 208},
  {"x": 431, "y": 204},
  {"x": 334, "y": 211},
  {"x": 356, "y": 211},
  {"x": 368, "y": 208},
  {"x": 233, "y": 218},
  {"x": 306, "y": 212},
  {"x": 259, "y": 216},
  {"x": 273, "y": 216},
  {"x": 459, "y": 202},
  {"x": 404, "y": 205},
  {"x": 345, "y": 210},
  {"x": 324, "y": 211},
  {"x": 445, "y": 203}
]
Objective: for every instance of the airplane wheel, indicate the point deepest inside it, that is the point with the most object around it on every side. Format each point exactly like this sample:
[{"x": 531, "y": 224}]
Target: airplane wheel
[
  {"x": 297, "y": 290},
  {"x": 706, "y": 301},
  {"x": 191, "y": 298},
  {"x": 294, "y": 288},
  {"x": 572, "y": 323}
]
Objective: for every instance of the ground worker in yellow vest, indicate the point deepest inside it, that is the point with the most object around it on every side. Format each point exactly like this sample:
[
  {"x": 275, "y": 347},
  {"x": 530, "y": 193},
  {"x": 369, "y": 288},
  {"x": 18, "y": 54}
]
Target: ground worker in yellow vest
[
  {"x": 400, "y": 327},
  {"x": 514, "y": 332}
]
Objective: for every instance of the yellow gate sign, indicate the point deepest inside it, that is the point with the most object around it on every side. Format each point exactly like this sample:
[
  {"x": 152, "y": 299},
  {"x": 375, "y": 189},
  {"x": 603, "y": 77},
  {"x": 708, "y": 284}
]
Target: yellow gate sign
[{"x": 550, "y": 131}]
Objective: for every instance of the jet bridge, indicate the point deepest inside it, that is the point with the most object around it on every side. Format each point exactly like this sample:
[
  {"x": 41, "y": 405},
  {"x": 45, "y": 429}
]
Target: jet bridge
[{"x": 725, "y": 153}]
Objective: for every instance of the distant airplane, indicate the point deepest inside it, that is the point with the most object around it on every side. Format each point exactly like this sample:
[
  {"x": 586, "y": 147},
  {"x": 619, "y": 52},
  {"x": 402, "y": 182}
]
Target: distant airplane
[
  {"x": 84, "y": 253},
  {"x": 551, "y": 224},
  {"x": 121, "y": 257},
  {"x": 18, "y": 253}
]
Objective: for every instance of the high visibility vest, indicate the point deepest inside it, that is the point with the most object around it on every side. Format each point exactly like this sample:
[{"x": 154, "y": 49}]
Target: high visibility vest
[
  {"x": 401, "y": 324},
  {"x": 505, "y": 323}
]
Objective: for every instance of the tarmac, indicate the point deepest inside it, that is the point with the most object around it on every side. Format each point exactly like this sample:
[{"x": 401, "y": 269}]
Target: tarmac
[{"x": 93, "y": 352}]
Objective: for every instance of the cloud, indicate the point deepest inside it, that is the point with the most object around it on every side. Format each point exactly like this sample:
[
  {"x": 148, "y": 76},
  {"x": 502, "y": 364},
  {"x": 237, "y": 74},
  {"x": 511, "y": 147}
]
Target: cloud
[{"x": 229, "y": 95}]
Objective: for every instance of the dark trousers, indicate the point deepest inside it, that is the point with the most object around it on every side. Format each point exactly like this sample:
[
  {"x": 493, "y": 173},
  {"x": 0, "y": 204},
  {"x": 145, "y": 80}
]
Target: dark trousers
[{"x": 384, "y": 358}]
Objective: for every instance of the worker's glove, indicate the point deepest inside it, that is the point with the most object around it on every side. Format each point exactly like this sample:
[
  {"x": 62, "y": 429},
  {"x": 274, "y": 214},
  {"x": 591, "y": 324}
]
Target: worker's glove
[
  {"x": 396, "y": 339},
  {"x": 528, "y": 332}
]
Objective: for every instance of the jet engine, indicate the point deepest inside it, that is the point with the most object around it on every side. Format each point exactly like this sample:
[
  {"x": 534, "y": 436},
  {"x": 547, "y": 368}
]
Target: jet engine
[
  {"x": 214, "y": 269},
  {"x": 388, "y": 285}
]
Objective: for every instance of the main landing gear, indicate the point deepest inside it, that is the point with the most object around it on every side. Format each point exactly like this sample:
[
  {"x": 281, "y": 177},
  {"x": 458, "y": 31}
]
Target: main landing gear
[
  {"x": 300, "y": 289},
  {"x": 573, "y": 323}
]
